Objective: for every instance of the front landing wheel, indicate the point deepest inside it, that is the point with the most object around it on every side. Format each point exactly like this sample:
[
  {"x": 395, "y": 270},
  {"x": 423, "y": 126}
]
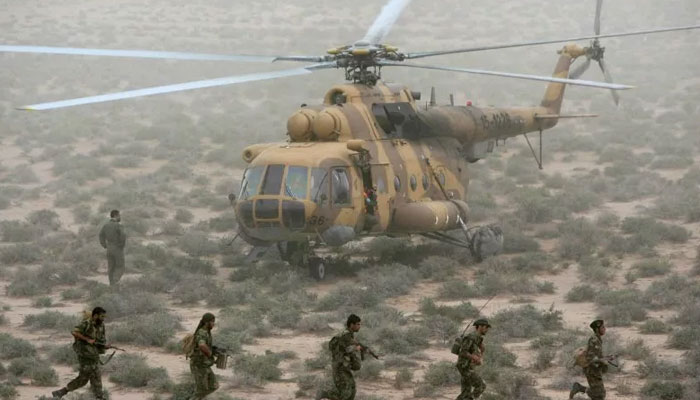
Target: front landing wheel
[{"x": 317, "y": 268}]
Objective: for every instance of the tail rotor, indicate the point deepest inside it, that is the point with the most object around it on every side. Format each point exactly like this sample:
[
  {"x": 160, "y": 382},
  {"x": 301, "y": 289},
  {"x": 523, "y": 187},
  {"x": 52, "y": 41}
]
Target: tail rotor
[{"x": 596, "y": 52}]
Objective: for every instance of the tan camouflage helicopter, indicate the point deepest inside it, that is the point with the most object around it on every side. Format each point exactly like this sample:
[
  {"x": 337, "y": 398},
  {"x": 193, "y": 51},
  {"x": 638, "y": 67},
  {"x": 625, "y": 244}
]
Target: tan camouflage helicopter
[{"x": 369, "y": 160}]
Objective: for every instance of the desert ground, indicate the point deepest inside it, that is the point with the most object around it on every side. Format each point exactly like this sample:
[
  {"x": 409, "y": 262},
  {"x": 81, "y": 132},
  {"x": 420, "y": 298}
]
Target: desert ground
[{"x": 608, "y": 229}]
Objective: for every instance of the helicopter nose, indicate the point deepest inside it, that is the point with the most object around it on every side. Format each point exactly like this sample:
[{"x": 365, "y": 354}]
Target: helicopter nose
[{"x": 272, "y": 219}]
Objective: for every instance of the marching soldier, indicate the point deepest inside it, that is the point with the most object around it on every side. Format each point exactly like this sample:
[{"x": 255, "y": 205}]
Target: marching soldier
[
  {"x": 471, "y": 353},
  {"x": 596, "y": 365},
  {"x": 113, "y": 239},
  {"x": 345, "y": 352},
  {"x": 203, "y": 358},
  {"x": 89, "y": 343}
]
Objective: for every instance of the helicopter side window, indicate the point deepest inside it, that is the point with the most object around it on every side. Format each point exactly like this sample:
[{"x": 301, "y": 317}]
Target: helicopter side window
[
  {"x": 414, "y": 183},
  {"x": 297, "y": 182},
  {"x": 426, "y": 182},
  {"x": 340, "y": 186},
  {"x": 273, "y": 179},
  {"x": 319, "y": 185},
  {"x": 251, "y": 181}
]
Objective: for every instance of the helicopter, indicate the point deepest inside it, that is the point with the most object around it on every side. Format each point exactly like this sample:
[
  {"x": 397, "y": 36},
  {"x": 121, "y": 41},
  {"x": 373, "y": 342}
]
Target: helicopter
[{"x": 369, "y": 160}]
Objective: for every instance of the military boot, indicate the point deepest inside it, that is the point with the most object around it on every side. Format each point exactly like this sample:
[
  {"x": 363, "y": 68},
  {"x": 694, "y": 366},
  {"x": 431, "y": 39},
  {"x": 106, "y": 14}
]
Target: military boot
[
  {"x": 57, "y": 394},
  {"x": 576, "y": 388}
]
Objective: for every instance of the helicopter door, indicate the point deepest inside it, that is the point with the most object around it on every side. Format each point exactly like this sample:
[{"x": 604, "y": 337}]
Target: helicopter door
[
  {"x": 344, "y": 196},
  {"x": 382, "y": 211}
]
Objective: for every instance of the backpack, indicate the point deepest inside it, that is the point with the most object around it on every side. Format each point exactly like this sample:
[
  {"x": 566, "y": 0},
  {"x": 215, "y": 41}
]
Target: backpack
[
  {"x": 457, "y": 345},
  {"x": 580, "y": 357},
  {"x": 333, "y": 344},
  {"x": 188, "y": 345}
]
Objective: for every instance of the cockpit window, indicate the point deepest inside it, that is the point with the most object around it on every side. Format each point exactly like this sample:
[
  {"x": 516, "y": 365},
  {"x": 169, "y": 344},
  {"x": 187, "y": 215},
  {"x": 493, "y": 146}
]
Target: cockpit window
[
  {"x": 319, "y": 185},
  {"x": 251, "y": 181},
  {"x": 341, "y": 186},
  {"x": 297, "y": 182},
  {"x": 273, "y": 180}
]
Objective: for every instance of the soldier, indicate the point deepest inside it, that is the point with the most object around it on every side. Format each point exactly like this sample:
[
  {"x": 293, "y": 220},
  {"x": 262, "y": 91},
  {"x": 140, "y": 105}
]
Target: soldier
[
  {"x": 203, "y": 358},
  {"x": 345, "y": 352},
  {"x": 471, "y": 353},
  {"x": 113, "y": 239},
  {"x": 596, "y": 365},
  {"x": 89, "y": 343}
]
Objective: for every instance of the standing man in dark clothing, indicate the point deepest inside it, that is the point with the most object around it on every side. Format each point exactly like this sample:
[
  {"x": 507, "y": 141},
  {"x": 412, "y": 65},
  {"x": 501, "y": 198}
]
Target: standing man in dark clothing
[
  {"x": 90, "y": 342},
  {"x": 345, "y": 353},
  {"x": 596, "y": 365},
  {"x": 471, "y": 353},
  {"x": 203, "y": 358},
  {"x": 113, "y": 239}
]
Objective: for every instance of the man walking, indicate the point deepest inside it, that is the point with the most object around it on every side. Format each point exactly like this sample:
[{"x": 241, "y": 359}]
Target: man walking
[
  {"x": 596, "y": 365},
  {"x": 345, "y": 352},
  {"x": 471, "y": 353},
  {"x": 90, "y": 342},
  {"x": 202, "y": 358},
  {"x": 113, "y": 239}
]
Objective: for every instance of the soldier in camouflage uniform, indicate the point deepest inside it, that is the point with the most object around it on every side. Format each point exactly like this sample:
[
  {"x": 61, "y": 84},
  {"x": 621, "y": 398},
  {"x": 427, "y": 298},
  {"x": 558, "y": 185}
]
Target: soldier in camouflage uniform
[
  {"x": 90, "y": 342},
  {"x": 471, "y": 352},
  {"x": 596, "y": 365},
  {"x": 345, "y": 352},
  {"x": 203, "y": 358},
  {"x": 113, "y": 239}
]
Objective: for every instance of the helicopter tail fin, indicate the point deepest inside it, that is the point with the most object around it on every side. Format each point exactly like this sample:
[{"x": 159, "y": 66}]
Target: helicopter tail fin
[{"x": 554, "y": 94}]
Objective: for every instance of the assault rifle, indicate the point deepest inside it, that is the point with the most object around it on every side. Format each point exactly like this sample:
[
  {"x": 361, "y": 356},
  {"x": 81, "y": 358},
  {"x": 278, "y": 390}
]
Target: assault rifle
[
  {"x": 221, "y": 350},
  {"x": 365, "y": 349},
  {"x": 612, "y": 360},
  {"x": 103, "y": 346}
]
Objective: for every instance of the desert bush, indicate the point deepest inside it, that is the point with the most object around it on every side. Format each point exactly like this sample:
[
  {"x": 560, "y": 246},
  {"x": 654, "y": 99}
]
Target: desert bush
[
  {"x": 652, "y": 368},
  {"x": 579, "y": 238},
  {"x": 597, "y": 270},
  {"x": 316, "y": 323},
  {"x": 534, "y": 205},
  {"x": 607, "y": 220},
  {"x": 20, "y": 253},
  {"x": 654, "y": 326},
  {"x": 21, "y": 174},
  {"x": 671, "y": 291},
  {"x": 438, "y": 268},
  {"x": 649, "y": 231},
  {"x": 581, "y": 293},
  {"x": 398, "y": 340},
  {"x": 441, "y": 374},
  {"x": 403, "y": 377},
  {"x": 636, "y": 350},
  {"x": 18, "y": 231},
  {"x": 131, "y": 370},
  {"x": 653, "y": 267},
  {"x": 234, "y": 294},
  {"x": 498, "y": 275},
  {"x": 544, "y": 358},
  {"x": 171, "y": 227},
  {"x": 146, "y": 330},
  {"x": 11, "y": 347},
  {"x": 258, "y": 367},
  {"x": 576, "y": 198},
  {"x": 533, "y": 261},
  {"x": 183, "y": 215},
  {"x": 51, "y": 320},
  {"x": 457, "y": 313},
  {"x": 62, "y": 354},
  {"x": 45, "y": 219},
  {"x": 5, "y": 202},
  {"x": 352, "y": 297},
  {"x": 663, "y": 390},
  {"x": 42, "y": 302},
  {"x": 456, "y": 290},
  {"x": 527, "y": 321},
  {"x": 685, "y": 338},
  {"x": 226, "y": 222},
  {"x": 193, "y": 265},
  {"x": 7, "y": 391},
  {"x": 129, "y": 161},
  {"x": 621, "y": 307},
  {"x": 671, "y": 162},
  {"x": 321, "y": 360},
  {"x": 126, "y": 302},
  {"x": 80, "y": 168},
  {"x": 371, "y": 370}
]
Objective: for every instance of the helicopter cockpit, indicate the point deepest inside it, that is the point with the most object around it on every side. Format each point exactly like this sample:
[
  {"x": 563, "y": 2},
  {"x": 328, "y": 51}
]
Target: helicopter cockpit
[{"x": 284, "y": 196}]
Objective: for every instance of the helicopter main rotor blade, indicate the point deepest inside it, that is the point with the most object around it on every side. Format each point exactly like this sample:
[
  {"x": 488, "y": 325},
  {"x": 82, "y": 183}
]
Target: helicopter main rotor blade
[
  {"x": 541, "y": 42},
  {"x": 613, "y": 86},
  {"x": 596, "y": 24},
  {"x": 229, "y": 80},
  {"x": 384, "y": 21},
  {"x": 580, "y": 69},
  {"x": 168, "y": 55},
  {"x": 608, "y": 78}
]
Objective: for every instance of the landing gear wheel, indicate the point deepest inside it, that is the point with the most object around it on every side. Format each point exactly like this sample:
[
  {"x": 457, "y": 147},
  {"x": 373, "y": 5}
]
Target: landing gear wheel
[
  {"x": 317, "y": 268},
  {"x": 486, "y": 242}
]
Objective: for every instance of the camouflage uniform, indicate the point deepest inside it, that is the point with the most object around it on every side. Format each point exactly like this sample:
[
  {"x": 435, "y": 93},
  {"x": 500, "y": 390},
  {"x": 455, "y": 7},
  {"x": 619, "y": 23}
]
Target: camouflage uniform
[
  {"x": 200, "y": 365},
  {"x": 89, "y": 358},
  {"x": 472, "y": 384},
  {"x": 596, "y": 368},
  {"x": 345, "y": 360},
  {"x": 113, "y": 239}
]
